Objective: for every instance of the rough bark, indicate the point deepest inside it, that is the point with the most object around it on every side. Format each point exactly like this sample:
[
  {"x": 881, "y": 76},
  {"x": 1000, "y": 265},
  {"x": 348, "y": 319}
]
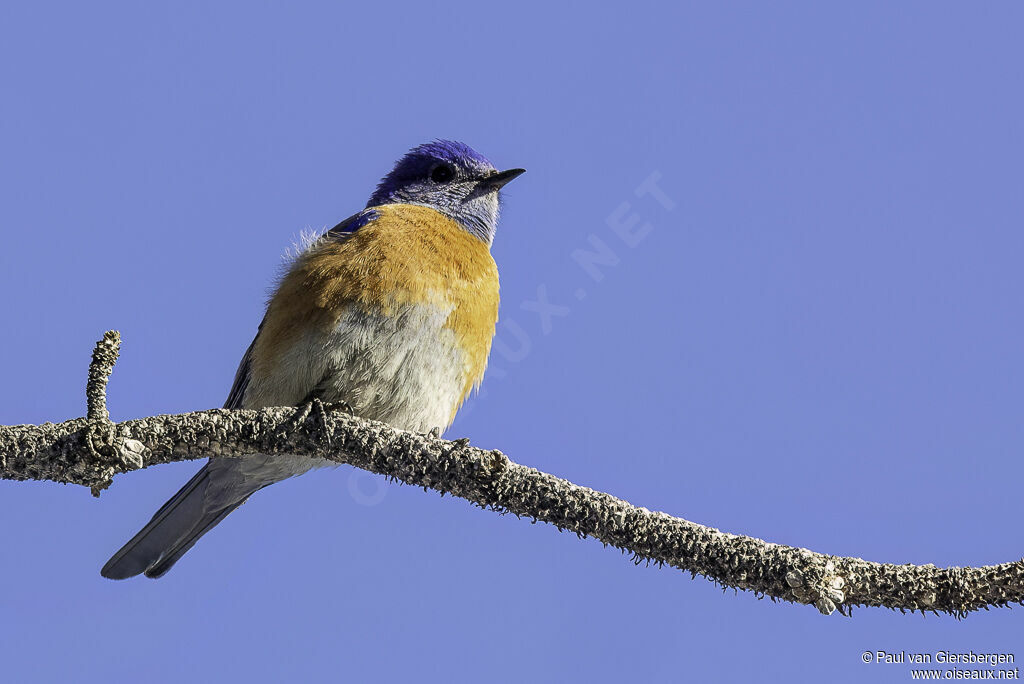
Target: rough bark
[{"x": 91, "y": 451}]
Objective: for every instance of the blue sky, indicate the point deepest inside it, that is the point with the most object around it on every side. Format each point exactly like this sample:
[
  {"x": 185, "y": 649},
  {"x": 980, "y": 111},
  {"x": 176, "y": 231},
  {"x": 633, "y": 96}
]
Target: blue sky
[{"x": 818, "y": 344}]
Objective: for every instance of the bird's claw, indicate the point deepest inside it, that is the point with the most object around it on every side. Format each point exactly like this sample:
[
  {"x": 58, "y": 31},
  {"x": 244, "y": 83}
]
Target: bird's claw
[{"x": 320, "y": 408}]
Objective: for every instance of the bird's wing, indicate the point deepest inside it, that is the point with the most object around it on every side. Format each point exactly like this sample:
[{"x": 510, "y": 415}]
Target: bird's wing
[{"x": 235, "y": 396}]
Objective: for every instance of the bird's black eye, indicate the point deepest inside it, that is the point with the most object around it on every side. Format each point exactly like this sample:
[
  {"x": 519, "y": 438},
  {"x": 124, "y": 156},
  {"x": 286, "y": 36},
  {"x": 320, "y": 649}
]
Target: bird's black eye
[{"x": 442, "y": 173}]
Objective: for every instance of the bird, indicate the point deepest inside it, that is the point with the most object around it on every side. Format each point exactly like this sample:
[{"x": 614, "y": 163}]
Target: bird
[{"x": 391, "y": 312}]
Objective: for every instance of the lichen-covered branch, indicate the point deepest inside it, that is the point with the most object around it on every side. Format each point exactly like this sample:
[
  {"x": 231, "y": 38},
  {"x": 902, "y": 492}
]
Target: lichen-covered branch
[{"x": 90, "y": 451}]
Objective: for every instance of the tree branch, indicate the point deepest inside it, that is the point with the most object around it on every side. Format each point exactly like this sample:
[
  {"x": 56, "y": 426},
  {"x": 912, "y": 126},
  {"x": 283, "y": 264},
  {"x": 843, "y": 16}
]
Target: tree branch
[{"x": 90, "y": 451}]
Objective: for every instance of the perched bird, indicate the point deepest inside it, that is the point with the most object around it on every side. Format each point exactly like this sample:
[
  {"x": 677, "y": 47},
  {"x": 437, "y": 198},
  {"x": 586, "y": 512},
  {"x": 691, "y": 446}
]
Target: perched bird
[{"x": 392, "y": 311}]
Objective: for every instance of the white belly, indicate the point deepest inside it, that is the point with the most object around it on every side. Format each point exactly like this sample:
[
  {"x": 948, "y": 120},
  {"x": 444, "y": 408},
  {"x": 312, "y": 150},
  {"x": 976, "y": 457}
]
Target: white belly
[{"x": 405, "y": 369}]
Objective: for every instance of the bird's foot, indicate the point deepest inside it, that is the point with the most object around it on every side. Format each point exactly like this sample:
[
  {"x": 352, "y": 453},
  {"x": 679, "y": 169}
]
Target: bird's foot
[{"x": 316, "y": 407}]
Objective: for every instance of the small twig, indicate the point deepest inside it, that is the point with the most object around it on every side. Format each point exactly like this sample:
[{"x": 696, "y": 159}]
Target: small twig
[
  {"x": 104, "y": 356},
  {"x": 101, "y": 436}
]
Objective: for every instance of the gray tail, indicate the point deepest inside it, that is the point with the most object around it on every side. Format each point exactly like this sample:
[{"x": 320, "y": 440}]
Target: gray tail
[{"x": 175, "y": 528}]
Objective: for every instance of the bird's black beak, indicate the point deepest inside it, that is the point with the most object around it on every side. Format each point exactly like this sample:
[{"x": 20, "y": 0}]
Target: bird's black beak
[{"x": 498, "y": 180}]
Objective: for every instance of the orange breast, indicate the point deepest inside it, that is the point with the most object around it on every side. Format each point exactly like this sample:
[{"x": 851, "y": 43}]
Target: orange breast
[{"x": 408, "y": 255}]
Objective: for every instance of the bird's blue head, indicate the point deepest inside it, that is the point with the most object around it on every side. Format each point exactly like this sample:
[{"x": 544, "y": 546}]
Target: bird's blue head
[{"x": 452, "y": 178}]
